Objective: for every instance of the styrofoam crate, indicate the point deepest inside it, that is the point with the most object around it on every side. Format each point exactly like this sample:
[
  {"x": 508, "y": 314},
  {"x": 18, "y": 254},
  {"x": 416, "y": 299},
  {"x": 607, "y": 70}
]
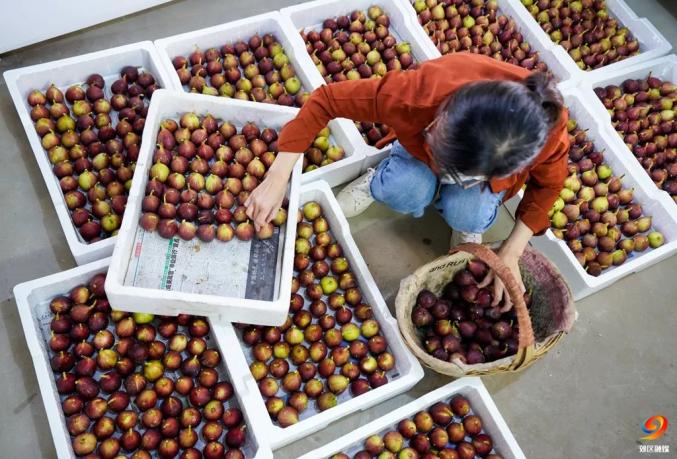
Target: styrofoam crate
[
  {"x": 336, "y": 173},
  {"x": 543, "y": 45},
  {"x": 64, "y": 73},
  {"x": 405, "y": 375},
  {"x": 652, "y": 44},
  {"x": 346, "y": 169},
  {"x": 471, "y": 388},
  {"x": 33, "y": 299},
  {"x": 156, "y": 300},
  {"x": 654, "y": 203},
  {"x": 664, "y": 68},
  {"x": 275, "y": 23},
  {"x": 309, "y": 16}
]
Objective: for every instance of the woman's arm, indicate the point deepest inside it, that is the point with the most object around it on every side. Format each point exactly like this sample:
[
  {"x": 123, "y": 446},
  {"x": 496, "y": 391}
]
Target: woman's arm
[
  {"x": 544, "y": 185},
  {"x": 357, "y": 100},
  {"x": 510, "y": 252}
]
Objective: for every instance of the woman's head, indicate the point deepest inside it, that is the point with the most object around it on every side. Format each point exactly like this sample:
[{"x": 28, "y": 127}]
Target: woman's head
[{"x": 495, "y": 128}]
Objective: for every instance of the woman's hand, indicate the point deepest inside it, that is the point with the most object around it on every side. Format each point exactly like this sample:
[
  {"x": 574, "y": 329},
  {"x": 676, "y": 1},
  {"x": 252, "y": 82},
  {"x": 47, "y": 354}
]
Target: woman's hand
[
  {"x": 510, "y": 253},
  {"x": 500, "y": 292},
  {"x": 266, "y": 199}
]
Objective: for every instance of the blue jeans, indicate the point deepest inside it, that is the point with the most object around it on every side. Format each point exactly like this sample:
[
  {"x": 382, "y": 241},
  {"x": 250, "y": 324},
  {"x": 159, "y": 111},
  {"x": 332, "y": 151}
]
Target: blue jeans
[{"x": 407, "y": 185}]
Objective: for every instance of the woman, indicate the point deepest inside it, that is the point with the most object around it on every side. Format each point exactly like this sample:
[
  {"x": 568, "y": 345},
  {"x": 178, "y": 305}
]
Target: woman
[{"x": 471, "y": 132}]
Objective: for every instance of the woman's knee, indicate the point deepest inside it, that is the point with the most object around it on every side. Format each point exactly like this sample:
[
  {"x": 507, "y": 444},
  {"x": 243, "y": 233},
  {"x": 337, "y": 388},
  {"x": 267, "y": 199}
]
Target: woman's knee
[
  {"x": 405, "y": 184},
  {"x": 470, "y": 211}
]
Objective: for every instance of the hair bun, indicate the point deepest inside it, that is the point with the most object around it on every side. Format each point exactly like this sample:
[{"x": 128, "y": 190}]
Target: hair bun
[{"x": 544, "y": 90}]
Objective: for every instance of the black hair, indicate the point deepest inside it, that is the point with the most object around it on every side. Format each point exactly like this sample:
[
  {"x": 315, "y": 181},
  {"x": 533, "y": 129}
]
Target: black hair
[{"x": 495, "y": 128}]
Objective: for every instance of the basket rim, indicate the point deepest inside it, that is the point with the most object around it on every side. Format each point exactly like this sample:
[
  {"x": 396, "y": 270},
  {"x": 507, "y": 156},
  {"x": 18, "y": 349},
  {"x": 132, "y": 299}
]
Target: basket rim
[{"x": 539, "y": 347}]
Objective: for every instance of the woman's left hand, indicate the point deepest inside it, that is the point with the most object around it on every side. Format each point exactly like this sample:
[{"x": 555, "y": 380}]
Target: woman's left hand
[{"x": 510, "y": 253}]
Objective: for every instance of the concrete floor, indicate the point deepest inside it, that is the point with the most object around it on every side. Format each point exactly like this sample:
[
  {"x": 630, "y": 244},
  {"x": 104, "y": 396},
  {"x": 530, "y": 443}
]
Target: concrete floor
[{"x": 585, "y": 400}]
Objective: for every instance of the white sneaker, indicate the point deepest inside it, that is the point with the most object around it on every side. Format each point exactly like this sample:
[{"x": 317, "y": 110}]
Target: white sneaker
[
  {"x": 460, "y": 237},
  {"x": 356, "y": 197}
]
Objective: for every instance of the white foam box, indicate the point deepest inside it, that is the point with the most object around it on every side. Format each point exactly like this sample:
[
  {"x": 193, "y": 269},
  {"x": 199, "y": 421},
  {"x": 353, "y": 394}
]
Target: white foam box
[
  {"x": 652, "y": 44},
  {"x": 310, "y": 15},
  {"x": 654, "y": 203},
  {"x": 59, "y": 18},
  {"x": 64, "y": 73},
  {"x": 664, "y": 68},
  {"x": 471, "y": 388},
  {"x": 213, "y": 277},
  {"x": 407, "y": 371},
  {"x": 33, "y": 299},
  {"x": 514, "y": 10},
  {"x": 277, "y": 24}
]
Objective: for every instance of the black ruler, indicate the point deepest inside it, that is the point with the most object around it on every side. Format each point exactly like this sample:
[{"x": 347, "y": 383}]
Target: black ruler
[{"x": 261, "y": 276}]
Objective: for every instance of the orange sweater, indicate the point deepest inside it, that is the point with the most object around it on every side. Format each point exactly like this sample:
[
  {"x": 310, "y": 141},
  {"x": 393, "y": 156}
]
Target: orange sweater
[{"x": 407, "y": 101}]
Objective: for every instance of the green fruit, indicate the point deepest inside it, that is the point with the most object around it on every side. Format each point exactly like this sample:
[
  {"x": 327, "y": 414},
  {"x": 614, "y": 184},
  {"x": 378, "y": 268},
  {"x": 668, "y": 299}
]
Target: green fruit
[
  {"x": 86, "y": 180},
  {"x": 142, "y": 317},
  {"x": 656, "y": 239},
  {"x": 350, "y": 332},
  {"x": 280, "y": 60},
  {"x": 322, "y": 143},
  {"x": 329, "y": 285},
  {"x": 403, "y": 47},
  {"x": 292, "y": 85},
  {"x": 159, "y": 171},
  {"x": 468, "y": 21},
  {"x": 65, "y": 123}
]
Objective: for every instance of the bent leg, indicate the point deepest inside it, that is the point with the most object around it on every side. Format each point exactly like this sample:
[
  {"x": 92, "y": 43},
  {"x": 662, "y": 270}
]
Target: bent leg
[
  {"x": 404, "y": 183},
  {"x": 471, "y": 211}
]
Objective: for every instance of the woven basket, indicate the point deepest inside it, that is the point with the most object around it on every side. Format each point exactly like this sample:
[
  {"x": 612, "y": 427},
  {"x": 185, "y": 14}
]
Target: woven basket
[{"x": 550, "y": 317}]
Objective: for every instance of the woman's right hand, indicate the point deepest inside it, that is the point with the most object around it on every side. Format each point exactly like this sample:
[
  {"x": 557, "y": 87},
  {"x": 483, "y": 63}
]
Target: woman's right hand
[{"x": 266, "y": 199}]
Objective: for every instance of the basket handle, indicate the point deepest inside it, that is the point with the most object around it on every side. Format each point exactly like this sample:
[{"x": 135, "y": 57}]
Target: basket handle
[{"x": 526, "y": 333}]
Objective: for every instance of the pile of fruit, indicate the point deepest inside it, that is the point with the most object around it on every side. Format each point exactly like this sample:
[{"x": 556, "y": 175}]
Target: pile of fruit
[
  {"x": 594, "y": 213},
  {"x": 138, "y": 385},
  {"x": 203, "y": 173},
  {"x": 461, "y": 324},
  {"x": 643, "y": 114},
  {"x": 477, "y": 27},
  {"x": 356, "y": 46},
  {"x": 257, "y": 69},
  {"x": 322, "y": 153},
  {"x": 445, "y": 430},
  {"x": 585, "y": 29},
  {"x": 329, "y": 343},
  {"x": 372, "y": 132},
  {"x": 92, "y": 155}
]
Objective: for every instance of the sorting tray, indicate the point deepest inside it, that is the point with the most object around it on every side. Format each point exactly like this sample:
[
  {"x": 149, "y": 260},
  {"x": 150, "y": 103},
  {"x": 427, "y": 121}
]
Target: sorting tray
[
  {"x": 652, "y": 44},
  {"x": 336, "y": 173},
  {"x": 33, "y": 303},
  {"x": 664, "y": 68},
  {"x": 471, "y": 388},
  {"x": 63, "y": 73},
  {"x": 654, "y": 203},
  {"x": 309, "y": 16},
  {"x": 406, "y": 373},
  {"x": 212, "y": 278}
]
